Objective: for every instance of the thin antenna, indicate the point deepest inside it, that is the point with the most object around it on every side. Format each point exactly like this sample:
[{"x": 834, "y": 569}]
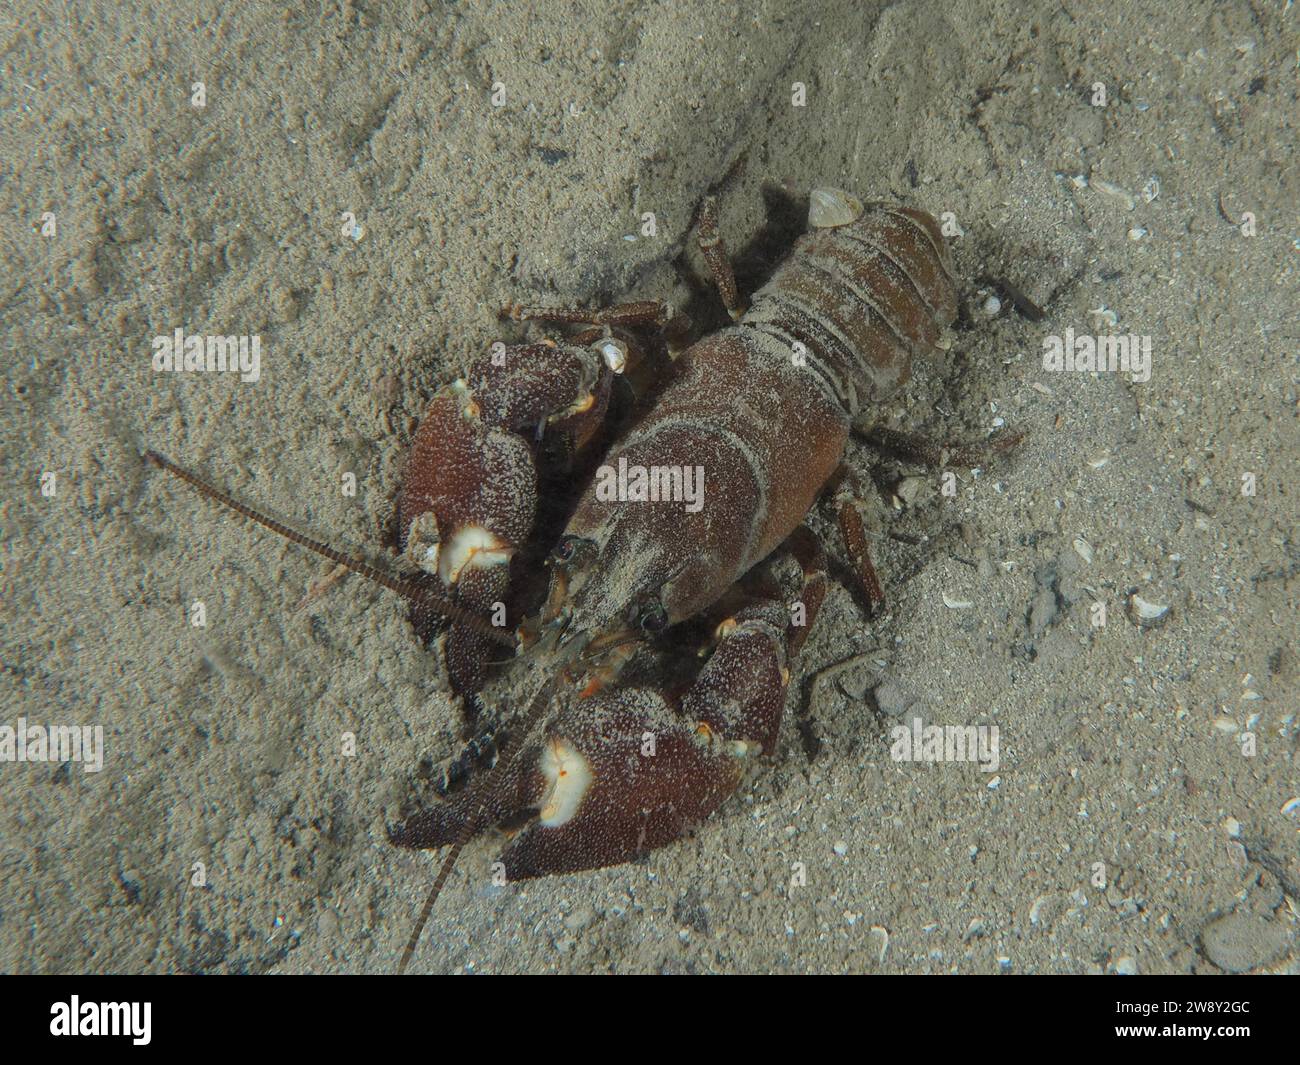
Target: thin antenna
[{"x": 412, "y": 591}]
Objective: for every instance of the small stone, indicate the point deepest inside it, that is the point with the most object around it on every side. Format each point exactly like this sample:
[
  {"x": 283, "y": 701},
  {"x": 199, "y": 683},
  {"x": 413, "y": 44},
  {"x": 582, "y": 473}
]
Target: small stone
[
  {"x": 1126, "y": 966},
  {"x": 1238, "y": 943},
  {"x": 327, "y": 923},
  {"x": 284, "y": 303},
  {"x": 891, "y": 700},
  {"x": 1042, "y": 612},
  {"x": 841, "y": 848}
]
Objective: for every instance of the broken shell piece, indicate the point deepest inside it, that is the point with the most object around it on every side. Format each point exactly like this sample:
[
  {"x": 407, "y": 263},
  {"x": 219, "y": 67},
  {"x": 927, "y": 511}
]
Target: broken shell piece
[
  {"x": 956, "y": 604},
  {"x": 1146, "y": 615},
  {"x": 1083, "y": 549},
  {"x": 614, "y": 352},
  {"x": 880, "y": 932},
  {"x": 909, "y": 488},
  {"x": 828, "y": 208}
]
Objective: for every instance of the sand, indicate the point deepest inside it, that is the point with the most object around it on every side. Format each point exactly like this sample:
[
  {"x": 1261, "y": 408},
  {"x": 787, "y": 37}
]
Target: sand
[{"x": 1138, "y": 820}]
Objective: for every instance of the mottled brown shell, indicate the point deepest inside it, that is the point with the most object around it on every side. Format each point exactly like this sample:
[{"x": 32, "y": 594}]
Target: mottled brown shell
[
  {"x": 765, "y": 407},
  {"x": 861, "y": 299}
]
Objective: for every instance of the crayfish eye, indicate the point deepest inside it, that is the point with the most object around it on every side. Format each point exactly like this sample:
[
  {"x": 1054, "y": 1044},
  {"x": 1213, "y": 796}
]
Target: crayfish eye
[
  {"x": 567, "y": 548},
  {"x": 654, "y": 618}
]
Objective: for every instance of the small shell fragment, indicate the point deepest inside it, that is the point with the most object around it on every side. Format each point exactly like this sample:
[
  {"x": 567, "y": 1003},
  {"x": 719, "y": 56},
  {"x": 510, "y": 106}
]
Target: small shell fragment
[
  {"x": 1105, "y": 314},
  {"x": 1083, "y": 549},
  {"x": 1145, "y": 614},
  {"x": 1291, "y": 808},
  {"x": 909, "y": 488},
  {"x": 614, "y": 352},
  {"x": 1036, "y": 909},
  {"x": 828, "y": 208},
  {"x": 878, "y": 930},
  {"x": 956, "y": 604}
]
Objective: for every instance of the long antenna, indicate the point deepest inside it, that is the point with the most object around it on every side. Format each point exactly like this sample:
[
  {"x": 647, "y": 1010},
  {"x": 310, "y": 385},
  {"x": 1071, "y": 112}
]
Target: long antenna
[{"x": 413, "y": 591}]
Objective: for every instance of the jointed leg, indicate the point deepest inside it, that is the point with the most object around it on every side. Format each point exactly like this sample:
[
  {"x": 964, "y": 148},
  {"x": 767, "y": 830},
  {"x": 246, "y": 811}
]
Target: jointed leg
[
  {"x": 642, "y": 314},
  {"x": 715, "y": 254},
  {"x": 916, "y": 447},
  {"x": 855, "y": 541}
]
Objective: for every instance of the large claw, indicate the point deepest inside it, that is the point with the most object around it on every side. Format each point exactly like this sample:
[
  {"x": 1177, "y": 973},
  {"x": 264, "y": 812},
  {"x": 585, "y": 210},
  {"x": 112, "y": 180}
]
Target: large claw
[
  {"x": 469, "y": 496},
  {"x": 617, "y": 775},
  {"x": 624, "y": 772},
  {"x": 625, "y": 775}
]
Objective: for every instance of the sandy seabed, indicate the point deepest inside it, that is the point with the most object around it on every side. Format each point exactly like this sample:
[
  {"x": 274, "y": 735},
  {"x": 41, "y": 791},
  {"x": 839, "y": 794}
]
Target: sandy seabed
[{"x": 1144, "y": 813}]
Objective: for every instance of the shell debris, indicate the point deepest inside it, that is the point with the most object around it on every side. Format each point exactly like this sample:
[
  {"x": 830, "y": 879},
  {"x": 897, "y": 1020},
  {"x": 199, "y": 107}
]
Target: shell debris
[
  {"x": 1146, "y": 614},
  {"x": 878, "y": 930},
  {"x": 829, "y": 208}
]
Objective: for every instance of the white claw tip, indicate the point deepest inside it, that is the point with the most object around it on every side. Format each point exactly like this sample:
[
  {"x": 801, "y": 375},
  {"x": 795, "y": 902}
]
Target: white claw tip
[
  {"x": 568, "y": 778},
  {"x": 828, "y": 208}
]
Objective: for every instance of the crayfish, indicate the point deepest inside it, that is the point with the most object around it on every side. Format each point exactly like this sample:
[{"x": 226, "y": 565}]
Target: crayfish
[{"x": 690, "y": 521}]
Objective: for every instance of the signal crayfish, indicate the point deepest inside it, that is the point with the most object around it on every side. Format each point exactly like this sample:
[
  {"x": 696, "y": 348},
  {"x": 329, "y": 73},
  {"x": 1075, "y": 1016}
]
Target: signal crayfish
[{"x": 608, "y": 762}]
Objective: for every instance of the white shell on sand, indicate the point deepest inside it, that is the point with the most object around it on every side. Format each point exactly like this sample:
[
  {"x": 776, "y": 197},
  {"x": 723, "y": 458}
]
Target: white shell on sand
[{"x": 828, "y": 208}]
